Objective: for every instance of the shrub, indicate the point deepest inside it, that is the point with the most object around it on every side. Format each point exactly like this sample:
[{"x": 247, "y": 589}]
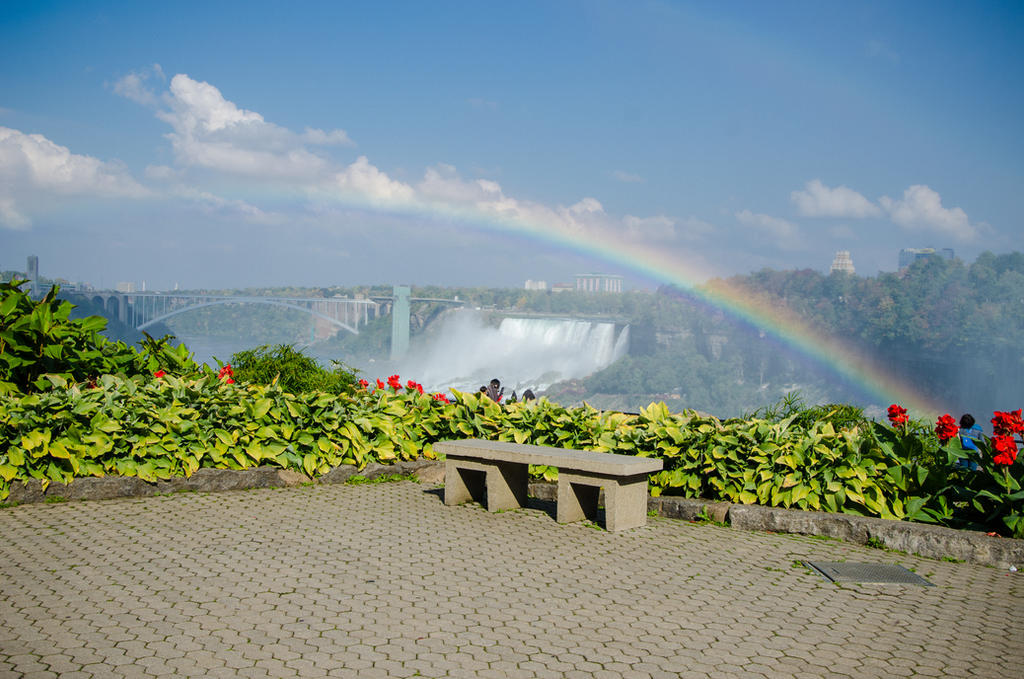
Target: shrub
[{"x": 293, "y": 371}]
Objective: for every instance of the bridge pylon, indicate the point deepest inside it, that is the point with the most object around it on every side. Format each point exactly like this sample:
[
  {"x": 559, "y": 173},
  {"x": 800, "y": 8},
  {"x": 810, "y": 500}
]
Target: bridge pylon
[{"x": 400, "y": 322}]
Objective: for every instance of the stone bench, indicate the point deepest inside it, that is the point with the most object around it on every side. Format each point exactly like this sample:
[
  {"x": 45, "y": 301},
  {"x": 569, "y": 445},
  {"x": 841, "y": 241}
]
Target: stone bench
[{"x": 496, "y": 473}]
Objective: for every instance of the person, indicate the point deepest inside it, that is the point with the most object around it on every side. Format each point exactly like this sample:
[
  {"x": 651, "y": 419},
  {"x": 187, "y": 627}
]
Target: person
[
  {"x": 969, "y": 435},
  {"x": 495, "y": 390},
  {"x": 528, "y": 395}
]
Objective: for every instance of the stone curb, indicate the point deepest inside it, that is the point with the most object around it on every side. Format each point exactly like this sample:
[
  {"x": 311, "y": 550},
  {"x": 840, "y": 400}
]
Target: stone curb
[
  {"x": 428, "y": 471},
  {"x": 110, "y": 487},
  {"x": 934, "y": 542},
  {"x": 209, "y": 480},
  {"x": 921, "y": 539}
]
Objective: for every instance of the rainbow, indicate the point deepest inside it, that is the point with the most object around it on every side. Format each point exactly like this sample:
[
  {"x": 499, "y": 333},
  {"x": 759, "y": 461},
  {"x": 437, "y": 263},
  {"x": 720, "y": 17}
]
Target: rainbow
[{"x": 554, "y": 228}]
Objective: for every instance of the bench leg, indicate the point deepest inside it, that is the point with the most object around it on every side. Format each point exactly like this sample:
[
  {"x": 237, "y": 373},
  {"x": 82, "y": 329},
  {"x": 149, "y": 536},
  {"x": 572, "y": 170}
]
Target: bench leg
[
  {"x": 507, "y": 486},
  {"x": 625, "y": 499},
  {"x": 504, "y": 486},
  {"x": 462, "y": 485},
  {"x": 625, "y": 503},
  {"x": 577, "y": 498}
]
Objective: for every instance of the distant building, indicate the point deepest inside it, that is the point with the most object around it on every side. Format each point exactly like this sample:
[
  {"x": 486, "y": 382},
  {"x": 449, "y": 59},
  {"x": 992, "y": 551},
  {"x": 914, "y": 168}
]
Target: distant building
[
  {"x": 598, "y": 282},
  {"x": 910, "y": 255},
  {"x": 562, "y": 287},
  {"x": 842, "y": 263},
  {"x": 32, "y": 272},
  {"x": 124, "y": 286},
  {"x": 536, "y": 285}
]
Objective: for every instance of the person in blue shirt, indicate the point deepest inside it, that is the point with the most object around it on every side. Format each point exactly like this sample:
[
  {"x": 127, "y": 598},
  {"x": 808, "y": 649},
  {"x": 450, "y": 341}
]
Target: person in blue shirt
[{"x": 970, "y": 433}]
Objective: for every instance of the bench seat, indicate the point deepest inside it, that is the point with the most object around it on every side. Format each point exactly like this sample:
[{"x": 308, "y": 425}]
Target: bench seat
[{"x": 496, "y": 473}]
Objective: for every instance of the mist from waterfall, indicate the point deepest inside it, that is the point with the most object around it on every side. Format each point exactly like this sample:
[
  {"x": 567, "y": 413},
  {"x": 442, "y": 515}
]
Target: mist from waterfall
[{"x": 524, "y": 353}]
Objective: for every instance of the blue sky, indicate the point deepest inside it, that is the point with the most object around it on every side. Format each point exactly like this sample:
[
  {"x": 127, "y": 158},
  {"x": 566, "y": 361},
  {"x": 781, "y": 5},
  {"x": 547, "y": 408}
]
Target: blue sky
[{"x": 258, "y": 143}]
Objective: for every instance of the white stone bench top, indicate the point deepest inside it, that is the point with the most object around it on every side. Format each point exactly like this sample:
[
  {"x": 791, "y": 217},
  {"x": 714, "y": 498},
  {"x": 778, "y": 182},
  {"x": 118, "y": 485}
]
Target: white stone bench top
[{"x": 581, "y": 460}]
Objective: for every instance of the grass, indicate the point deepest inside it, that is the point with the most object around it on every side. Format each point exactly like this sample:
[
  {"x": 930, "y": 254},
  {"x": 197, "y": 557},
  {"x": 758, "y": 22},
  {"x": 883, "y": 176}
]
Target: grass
[
  {"x": 358, "y": 480},
  {"x": 705, "y": 519}
]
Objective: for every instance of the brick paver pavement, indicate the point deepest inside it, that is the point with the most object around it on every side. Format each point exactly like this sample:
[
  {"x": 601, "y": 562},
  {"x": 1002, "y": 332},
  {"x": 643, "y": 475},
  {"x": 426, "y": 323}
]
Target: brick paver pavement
[{"x": 385, "y": 581}]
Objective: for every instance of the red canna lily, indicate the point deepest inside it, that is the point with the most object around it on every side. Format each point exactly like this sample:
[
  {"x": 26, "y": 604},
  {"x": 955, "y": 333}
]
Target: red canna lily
[
  {"x": 1006, "y": 449},
  {"x": 363, "y": 384},
  {"x": 380, "y": 383},
  {"x": 898, "y": 415},
  {"x": 946, "y": 428},
  {"x": 159, "y": 373},
  {"x": 1007, "y": 423}
]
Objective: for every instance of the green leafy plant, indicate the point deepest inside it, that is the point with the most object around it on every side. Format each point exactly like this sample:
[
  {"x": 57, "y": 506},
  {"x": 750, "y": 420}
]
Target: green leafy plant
[
  {"x": 40, "y": 345},
  {"x": 292, "y": 370}
]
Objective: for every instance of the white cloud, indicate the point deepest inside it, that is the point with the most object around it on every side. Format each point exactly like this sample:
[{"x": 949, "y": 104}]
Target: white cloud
[
  {"x": 210, "y": 202},
  {"x": 818, "y": 200},
  {"x": 587, "y": 206},
  {"x": 333, "y": 138},
  {"x": 10, "y": 217},
  {"x": 921, "y": 209},
  {"x": 364, "y": 179},
  {"x": 443, "y": 183},
  {"x": 133, "y": 86},
  {"x": 162, "y": 173},
  {"x": 199, "y": 106},
  {"x": 211, "y": 132},
  {"x": 32, "y": 167},
  {"x": 783, "y": 230},
  {"x": 627, "y": 177}
]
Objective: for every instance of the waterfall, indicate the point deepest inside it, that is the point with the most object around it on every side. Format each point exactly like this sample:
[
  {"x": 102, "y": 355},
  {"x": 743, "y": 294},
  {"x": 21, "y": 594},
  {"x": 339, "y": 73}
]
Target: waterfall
[{"x": 521, "y": 352}]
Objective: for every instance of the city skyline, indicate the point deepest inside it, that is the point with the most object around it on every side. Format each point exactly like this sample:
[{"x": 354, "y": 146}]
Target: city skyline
[{"x": 244, "y": 145}]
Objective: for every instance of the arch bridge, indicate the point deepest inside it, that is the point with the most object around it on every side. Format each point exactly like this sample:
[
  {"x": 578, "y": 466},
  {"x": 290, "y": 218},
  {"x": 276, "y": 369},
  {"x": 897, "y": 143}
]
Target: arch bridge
[{"x": 144, "y": 309}]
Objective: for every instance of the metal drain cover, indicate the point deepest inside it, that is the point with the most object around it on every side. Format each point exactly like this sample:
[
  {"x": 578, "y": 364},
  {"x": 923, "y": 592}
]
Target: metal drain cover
[{"x": 845, "y": 571}]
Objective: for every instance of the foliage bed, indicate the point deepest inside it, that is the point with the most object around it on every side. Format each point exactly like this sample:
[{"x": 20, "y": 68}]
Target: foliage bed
[{"x": 163, "y": 416}]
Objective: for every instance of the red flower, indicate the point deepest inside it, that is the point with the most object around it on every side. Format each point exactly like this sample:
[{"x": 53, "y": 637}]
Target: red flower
[
  {"x": 898, "y": 415},
  {"x": 159, "y": 373},
  {"x": 395, "y": 382},
  {"x": 226, "y": 372},
  {"x": 363, "y": 384},
  {"x": 229, "y": 381},
  {"x": 414, "y": 386},
  {"x": 946, "y": 427},
  {"x": 1006, "y": 449},
  {"x": 1007, "y": 423},
  {"x": 440, "y": 397},
  {"x": 380, "y": 383}
]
